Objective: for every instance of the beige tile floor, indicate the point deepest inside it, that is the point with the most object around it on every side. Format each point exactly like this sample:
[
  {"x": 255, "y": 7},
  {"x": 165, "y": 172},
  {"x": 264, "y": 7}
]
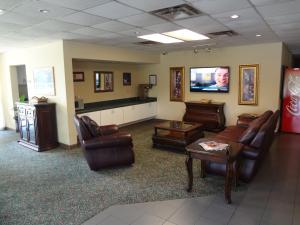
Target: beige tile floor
[{"x": 272, "y": 198}]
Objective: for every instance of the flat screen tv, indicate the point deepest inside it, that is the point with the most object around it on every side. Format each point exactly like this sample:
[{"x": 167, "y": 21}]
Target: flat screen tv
[{"x": 209, "y": 79}]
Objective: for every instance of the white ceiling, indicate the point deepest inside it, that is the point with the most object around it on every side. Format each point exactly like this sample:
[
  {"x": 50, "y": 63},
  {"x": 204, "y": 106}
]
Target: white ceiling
[{"x": 117, "y": 23}]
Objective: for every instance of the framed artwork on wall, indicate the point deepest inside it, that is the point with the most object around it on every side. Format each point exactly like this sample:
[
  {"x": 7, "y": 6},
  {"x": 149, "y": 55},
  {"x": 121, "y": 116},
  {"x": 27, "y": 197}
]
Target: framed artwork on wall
[
  {"x": 103, "y": 81},
  {"x": 248, "y": 84},
  {"x": 78, "y": 76},
  {"x": 126, "y": 79},
  {"x": 177, "y": 84},
  {"x": 152, "y": 79},
  {"x": 43, "y": 81}
]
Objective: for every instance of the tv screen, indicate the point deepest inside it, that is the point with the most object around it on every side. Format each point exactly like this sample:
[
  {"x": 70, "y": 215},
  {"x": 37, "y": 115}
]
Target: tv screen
[{"x": 209, "y": 79}]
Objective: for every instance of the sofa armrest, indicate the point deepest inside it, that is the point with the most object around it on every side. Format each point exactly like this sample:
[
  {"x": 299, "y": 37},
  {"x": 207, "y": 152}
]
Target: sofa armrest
[
  {"x": 245, "y": 119},
  {"x": 108, "y": 141},
  {"x": 108, "y": 129}
]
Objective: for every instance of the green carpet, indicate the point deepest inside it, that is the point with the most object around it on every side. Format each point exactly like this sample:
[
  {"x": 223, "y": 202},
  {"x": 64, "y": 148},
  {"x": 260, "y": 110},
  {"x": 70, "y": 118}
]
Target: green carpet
[{"x": 56, "y": 187}]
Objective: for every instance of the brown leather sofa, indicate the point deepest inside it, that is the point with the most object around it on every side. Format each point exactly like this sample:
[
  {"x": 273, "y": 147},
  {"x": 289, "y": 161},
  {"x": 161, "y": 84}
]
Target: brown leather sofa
[
  {"x": 257, "y": 139},
  {"x": 103, "y": 146}
]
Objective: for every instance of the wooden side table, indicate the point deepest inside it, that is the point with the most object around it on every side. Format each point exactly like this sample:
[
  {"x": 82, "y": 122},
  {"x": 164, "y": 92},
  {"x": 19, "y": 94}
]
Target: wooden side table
[
  {"x": 245, "y": 118},
  {"x": 195, "y": 151}
]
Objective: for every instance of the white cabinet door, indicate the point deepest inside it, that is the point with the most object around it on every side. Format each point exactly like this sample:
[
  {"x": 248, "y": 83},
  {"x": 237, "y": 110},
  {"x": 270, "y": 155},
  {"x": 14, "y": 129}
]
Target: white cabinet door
[
  {"x": 106, "y": 117},
  {"x": 112, "y": 116},
  {"x": 130, "y": 113},
  {"x": 152, "y": 108},
  {"x": 93, "y": 115},
  {"x": 117, "y": 116}
]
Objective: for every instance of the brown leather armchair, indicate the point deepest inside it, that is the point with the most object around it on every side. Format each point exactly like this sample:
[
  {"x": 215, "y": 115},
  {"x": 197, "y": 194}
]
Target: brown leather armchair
[{"x": 103, "y": 146}]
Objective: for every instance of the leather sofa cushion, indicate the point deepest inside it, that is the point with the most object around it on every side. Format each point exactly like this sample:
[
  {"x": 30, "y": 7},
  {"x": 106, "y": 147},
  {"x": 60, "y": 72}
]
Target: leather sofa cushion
[
  {"x": 250, "y": 153},
  {"x": 253, "y": 128},
  {"x": 231, "y": 133},
  {"x": 109, "y": 141},
  {"x": 91, "y": 125}
]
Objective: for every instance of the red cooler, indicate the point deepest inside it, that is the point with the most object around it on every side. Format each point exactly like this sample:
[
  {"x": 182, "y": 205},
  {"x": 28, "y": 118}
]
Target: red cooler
[{"x": 290, "y": 118}]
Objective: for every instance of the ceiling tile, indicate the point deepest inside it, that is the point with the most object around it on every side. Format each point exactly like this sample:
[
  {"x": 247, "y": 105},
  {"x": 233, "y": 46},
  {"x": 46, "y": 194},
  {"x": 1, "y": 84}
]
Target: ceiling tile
[
  {"x": 142, "y": 20},
  {"x": 151, "y": 5},
  {"x": 8, "y": 27},
  {"x": 84, "y": 19},
  {"x": 136, "y": 32},
  {"x": 113, "y": 10},
  {"x": 70, "y": 36},
  {"x": 220, "y": 6},
  {"x": 286, "y": 27},
  {"x": 90, "y": 31},
  {"x": 78, "y": 4},
  {"x": 280, "y": 9},
  {"x": 267, "y": 2},
  {"x": 57, "y": 26},
  {"x": 32, "y": 8},
  {"x": 20, "y": 19},
  {"x": 35, "y": 32},
  {"x": 163, "y": 27},
  {"x": 114, "y": 26},
  {"x": 8, "y": 4},
  {"x": 292, "y": 18}
]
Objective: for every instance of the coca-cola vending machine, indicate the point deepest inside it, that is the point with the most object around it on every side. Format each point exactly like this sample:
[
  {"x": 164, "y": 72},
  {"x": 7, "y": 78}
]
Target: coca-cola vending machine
[{"x": 290, "y": 107}]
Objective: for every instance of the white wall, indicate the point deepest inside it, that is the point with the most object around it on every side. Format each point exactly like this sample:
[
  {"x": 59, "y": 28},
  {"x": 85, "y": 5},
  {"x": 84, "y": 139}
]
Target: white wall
[{"x": 268, "y": 56}]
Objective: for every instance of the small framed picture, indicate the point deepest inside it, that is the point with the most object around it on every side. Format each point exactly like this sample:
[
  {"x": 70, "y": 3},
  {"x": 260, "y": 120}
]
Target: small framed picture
[
  {"x": 126, "y": 79},
  {"x": 248, "y": 84},
  {"x": 78, "y": 76},
  {"x": 177, "y": 84},
  {"x": 152, "y": 80}
]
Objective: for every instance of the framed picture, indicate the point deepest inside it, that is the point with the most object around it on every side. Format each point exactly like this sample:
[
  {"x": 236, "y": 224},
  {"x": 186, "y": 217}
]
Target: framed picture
[
  {"x": 43, "y": 81},
  {"x": 126, "y": 79},
  {"x": 248, "y": 84},
  {"x": 78, "y": 76},
  {"x": 152, "y": 80},
  {"x": 103, "y": 81},
  {"x": 177, "y": 84}
]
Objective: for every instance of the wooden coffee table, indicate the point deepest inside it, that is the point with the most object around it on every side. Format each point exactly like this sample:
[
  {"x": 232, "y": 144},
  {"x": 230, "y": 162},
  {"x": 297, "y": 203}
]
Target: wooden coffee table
[
  {"x": 176, "y": 134},
  {"x": 195, "y": 151}
]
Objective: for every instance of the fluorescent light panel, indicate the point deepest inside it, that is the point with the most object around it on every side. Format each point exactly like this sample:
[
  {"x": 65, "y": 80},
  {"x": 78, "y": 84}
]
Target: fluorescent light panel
[
  {"x": 160, "y": 38},
  {"x": 186, "y": 35}
]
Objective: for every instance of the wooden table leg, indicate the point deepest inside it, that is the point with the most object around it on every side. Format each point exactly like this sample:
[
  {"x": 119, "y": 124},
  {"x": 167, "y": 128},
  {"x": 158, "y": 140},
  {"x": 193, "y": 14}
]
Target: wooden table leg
[
  {"x": 189, "y": 167},
  {"x": 228, "y": 181},
  {"x": 202, "y": 173}
]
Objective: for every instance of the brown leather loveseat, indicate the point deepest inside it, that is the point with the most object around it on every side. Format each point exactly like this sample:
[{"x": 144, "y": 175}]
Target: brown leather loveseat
[
  {"x": 257, "y": 139},
  {"x": 103, "y": 146}
]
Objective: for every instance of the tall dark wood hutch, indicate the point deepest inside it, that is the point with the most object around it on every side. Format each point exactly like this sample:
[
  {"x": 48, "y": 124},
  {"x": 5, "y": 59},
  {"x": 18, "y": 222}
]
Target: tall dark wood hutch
[
  {"x": 37, "y": 125},
  {"x": 211, "y": 115}
]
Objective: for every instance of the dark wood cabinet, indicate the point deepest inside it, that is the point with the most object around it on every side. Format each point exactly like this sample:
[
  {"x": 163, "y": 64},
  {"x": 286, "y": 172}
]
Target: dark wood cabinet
[
  {"x": 37, "y": 125},
  {"x": 211, "y": 115}
]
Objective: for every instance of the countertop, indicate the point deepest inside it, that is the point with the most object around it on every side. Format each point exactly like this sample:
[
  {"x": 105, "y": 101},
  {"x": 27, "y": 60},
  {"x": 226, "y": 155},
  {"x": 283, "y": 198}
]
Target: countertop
[{"x": 97, "y": 106}]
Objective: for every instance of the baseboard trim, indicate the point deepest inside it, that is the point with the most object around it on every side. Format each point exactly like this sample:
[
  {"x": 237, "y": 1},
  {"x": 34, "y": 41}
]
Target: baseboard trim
[{"x": 68, "y": 147}]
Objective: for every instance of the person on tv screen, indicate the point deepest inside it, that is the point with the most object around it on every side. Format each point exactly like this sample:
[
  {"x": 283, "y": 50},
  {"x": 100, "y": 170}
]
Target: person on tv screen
[{"x": 221, "y": 79}]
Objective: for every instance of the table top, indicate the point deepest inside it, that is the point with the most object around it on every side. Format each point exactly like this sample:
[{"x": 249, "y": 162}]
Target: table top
[
  {"x": 174, "y": 125},
  {"x": 222, "y": 156}
]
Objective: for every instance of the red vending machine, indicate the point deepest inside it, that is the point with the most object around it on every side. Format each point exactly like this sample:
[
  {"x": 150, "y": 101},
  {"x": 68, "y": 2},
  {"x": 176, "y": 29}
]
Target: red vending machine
[{"x": 290, "y": 117}]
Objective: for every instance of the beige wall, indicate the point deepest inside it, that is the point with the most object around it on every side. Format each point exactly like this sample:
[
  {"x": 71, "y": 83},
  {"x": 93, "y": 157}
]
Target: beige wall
[
  {"x": 75, "y": 50},
  {"x": 50, "y": 55},
  {"x": 268, "y": 56},
  {"x": 85, "y": 90},
  {"x": 2, "y": 122}
]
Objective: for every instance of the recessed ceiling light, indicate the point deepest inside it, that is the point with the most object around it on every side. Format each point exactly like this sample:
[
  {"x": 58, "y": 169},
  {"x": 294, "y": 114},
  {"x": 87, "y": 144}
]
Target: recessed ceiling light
[
  {"x": 44, "y": 10},
  {"x": 136, "y": 32},
  {"x": 235, "y": 16},
  {"x": 258, "y": 35},
  {"x": 160, "y": 38},
  {"x": 1, "y": 11},
  {"x": 186, "y": 35}
]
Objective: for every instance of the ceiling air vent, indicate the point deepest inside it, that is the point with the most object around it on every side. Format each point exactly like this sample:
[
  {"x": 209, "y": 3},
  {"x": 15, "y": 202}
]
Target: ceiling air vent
[
  {"x": 148, "y": 43},
  {"x": 177, "y": 12},
  {"x": 228, "y": 33}
]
